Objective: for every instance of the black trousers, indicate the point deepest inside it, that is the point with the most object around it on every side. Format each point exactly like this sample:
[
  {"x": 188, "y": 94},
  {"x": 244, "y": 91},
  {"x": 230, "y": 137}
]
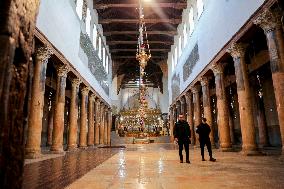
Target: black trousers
[
  {"x": 208, "y": 145},
  {"x": 185, "y": 144}
]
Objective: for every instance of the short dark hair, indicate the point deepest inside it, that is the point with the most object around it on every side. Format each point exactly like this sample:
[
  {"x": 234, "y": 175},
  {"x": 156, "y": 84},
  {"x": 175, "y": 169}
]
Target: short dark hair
[{"x": 204, "y": 119}]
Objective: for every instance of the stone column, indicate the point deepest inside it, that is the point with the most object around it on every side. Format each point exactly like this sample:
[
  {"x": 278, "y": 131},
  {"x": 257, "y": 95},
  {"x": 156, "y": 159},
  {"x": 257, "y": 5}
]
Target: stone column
[
  {"x": 91, "y": 134},
  {"x": 207, "y": 106},
  {"x": 188, "y": 98},
  {"x": 83, "y": 116},
  {"x": 73, "y": 116},
  {"x": 102, "y": 123},
  {"x": 270, "y": 22},
  {"x": 37, "y": 102},
  {"x": 237, "y": 51},
  {"x": 97, "y": 122},
  {"x": 171, "y": 121},
  {"x": 18, "y": 21},
  {"x": 178, "y": 108},
  {"x": 197, "y": 112},
  {"x": 222, "y": 108},
  {"x": 261, "y": 122},
  {"x": 109, "y": 126},
  {"x": 50, "y": 123},
  {"x": 58, "y": 120},
  {"x": 174, "y": 113},
  {"x": 182, "y": 107},
  {"x": 105, "y": 125}
]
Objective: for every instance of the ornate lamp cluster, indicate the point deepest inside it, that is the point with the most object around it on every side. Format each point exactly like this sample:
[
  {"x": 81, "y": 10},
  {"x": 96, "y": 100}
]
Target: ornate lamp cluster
[{"x": 143, "y": 57}]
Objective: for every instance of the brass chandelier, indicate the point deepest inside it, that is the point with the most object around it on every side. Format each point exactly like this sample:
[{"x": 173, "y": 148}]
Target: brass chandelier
[{"x": 143, "y": 55}]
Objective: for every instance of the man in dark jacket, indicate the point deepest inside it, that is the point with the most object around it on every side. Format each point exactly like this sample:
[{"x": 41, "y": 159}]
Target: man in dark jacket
[
  {"x": 204, "y": 130},
  {"x": 182, "y": 136}
]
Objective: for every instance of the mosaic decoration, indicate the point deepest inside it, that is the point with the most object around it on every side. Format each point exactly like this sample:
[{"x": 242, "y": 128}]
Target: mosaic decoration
[
  {"x": 175, "y": 86},
  {"x": 190, "y": 62},
  {"x": 94, "y": 63}
]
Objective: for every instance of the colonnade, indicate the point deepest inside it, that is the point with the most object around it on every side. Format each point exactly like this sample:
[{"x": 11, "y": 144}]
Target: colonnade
[
  {"x": 94, "y": 114},
  {"x": 270, "y": 22}
]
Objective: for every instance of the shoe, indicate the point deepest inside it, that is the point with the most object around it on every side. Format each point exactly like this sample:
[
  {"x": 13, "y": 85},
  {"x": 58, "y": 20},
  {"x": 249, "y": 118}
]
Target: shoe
[
  {"x": 187, "y": 161},
  {"x": 203, "y": 159},
  {"x": 212, "y": 159},
  {"x": 181, "y": 161}
]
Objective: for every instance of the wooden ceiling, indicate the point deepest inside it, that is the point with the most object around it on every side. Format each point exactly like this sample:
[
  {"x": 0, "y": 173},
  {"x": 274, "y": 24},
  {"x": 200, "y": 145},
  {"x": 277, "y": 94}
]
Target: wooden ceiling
[{"x": 120, "y": 22}]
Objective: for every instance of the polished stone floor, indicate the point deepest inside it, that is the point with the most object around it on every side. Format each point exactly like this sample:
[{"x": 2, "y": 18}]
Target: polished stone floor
[{"x": 156, "y": 166}]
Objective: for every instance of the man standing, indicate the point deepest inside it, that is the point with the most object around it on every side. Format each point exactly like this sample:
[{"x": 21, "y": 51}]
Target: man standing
[
  {"x": 204, "y": 130},
  {"x": 182, "y": 136}
]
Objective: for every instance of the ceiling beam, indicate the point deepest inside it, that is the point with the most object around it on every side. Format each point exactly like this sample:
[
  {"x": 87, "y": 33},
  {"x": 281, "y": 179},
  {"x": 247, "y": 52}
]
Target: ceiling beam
[
  {"x": 134, "y": 57},
  {"x": 170, "y": 33},
  {"x": 136, "y": 21},
  {"x": 135, "y": 5},
  {"x": 134, "y": 50},
  {"x": 135, "y": 42}
]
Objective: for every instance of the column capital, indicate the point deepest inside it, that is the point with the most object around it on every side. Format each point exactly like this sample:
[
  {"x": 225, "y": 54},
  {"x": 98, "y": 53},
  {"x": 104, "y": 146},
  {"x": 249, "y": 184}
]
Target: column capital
[
  {"x": 62, "y": 70},
  {"x": 204, "y": 81},
  {"x": 85, "y": 91},
  {"x": 44, "y": 53},
  {"x": 93, "y": 97},
  {"x": 195, "y": 89},
  {"x": 237, "y": 50},
  {"x": 217, "y": 68},
  {"x": 98, "y": 102},
  {"x": 188, "y": 96},
  {"x": 182, "y": 101},
  {"x": 268, "y": 20},
  {"x": 102, "y": 104},
  {"x": 75, "y": 82}
]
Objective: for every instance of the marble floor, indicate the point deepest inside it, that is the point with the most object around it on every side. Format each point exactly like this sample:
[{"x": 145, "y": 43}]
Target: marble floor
[{"x": 156, "y": 166}]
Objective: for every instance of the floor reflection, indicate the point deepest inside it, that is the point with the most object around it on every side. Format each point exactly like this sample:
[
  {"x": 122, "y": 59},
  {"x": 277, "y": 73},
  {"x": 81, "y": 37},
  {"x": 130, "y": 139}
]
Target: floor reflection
[{"x": 60, "y": 172}]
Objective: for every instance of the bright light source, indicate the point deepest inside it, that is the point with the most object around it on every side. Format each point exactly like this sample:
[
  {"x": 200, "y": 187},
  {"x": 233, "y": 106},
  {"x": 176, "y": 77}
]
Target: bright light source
[{"x": 147, "y": 0}]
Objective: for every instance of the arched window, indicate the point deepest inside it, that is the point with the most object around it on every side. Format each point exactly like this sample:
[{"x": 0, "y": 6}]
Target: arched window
[
  {"x": 88, "y": 22},
  {"x": 79, "y": 8},
  {"x": 176, "y": 56},
  {"x": 100, "y": 48},
  {"x": 107, "y": 66},
  {"x": 95, "y": 36},
  {"x": 200, "y": 7},
  {"x": 179, "y": 46},
  {"x": 184, "y": 35},
  {"x": 173, "y": 62},
  {"x": 191, "y": 21},
  {"x": 104, "y": 57}
]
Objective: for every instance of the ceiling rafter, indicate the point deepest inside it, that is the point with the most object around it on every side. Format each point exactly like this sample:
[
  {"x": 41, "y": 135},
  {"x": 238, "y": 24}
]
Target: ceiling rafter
[
  {"x": 135, "y": 21},
  {"x": 135, "y": 5},
  {"x": 170, "y": 33},
  {"x": 135, "y": 42}
]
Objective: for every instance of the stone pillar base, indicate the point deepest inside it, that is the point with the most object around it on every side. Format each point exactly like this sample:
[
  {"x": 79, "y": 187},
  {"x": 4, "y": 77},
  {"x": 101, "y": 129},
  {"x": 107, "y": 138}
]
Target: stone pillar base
[
  {"x": 251, "y": 153},
  {"x": 32, "y": 154},
  {"x": 57, "y": 150},
  {"x": 72, "y": 147},
  {"x": 228, "y": 149},
  {"x": 225, "y": 147},
  {"x": 91, "y": 145},
  {"x": 83, "y": 147}
]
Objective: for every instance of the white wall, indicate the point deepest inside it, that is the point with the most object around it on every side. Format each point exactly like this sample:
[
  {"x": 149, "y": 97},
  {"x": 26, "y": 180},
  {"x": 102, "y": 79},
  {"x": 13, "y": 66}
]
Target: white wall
[
  {"x": 59, "y": 22},
  {"x": 218, "y": 23}
]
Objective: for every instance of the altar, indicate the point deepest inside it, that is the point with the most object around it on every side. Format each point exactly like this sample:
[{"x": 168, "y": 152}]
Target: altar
[{"x": 129, "y": 124}]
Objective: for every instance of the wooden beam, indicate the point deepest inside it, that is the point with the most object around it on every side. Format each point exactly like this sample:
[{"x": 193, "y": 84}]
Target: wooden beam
[
  {"x": 170, "y": 33},
  {"x": 134, "y": 50},
  {"x": 135, "y": 42},
  {"x": 135, "y": 21},
  {"x": 134, "y": 57},
  {"x": 135, "y": 5}
]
